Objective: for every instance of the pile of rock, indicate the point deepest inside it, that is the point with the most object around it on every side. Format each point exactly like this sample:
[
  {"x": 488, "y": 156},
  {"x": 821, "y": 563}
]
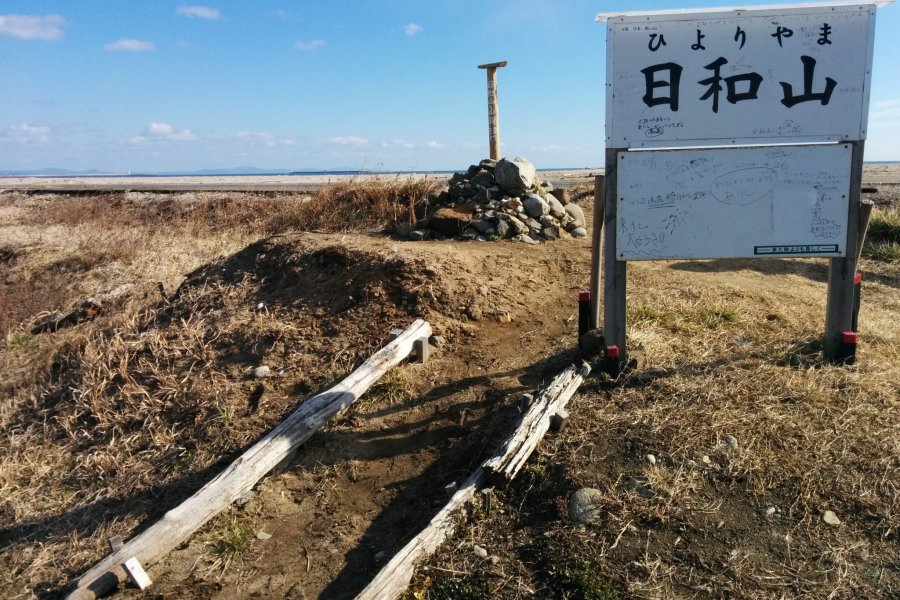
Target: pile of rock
[{"x": 502, "y": 200}]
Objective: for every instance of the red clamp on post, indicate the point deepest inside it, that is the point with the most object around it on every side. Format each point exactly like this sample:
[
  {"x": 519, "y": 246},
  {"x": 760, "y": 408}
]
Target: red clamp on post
[
  {"x": 857, "y": 279},
  {"x": 612, "y": 364},
  {"x": 850, "y": 337}
]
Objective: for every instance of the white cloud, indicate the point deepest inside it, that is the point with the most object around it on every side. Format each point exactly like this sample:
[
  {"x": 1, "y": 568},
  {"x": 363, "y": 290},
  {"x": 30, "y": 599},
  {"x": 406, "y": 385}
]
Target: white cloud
[
  {"x": 434, "y": 145},
  {"x": 26, "y": 134},
  {"x": 200, "y": 12},
  {"x": 311, "y": 45},
  {"x": 164, "y": 131},
  {"x": 28, "y": 27},
  {"x": 412, "y": 29},
  {"x": 398, "y": 144},
  {"x": 130, "y": 45},
  {"x": 349, "y": 140}
]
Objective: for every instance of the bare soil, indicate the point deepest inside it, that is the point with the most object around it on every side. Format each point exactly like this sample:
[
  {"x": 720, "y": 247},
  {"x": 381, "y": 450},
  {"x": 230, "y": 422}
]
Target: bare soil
[{"x": 109, "y": 423}]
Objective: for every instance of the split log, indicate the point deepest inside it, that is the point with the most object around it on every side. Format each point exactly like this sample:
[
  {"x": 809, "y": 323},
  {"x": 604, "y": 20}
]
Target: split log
[
  {"x": 518, "y": 447},
  {"x": 394, "y": 578},
  {"x": 237, "y": 480}
]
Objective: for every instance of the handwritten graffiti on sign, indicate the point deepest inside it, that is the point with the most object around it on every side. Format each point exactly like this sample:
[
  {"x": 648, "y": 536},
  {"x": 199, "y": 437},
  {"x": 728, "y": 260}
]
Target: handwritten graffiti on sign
[
  {"x": 733, "y": 202},
  {"x": 739, "y": 76}
]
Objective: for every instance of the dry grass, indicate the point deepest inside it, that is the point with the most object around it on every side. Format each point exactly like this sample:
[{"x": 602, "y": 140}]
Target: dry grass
[
  {"x": 102, "y": 420},
  {"x": 696, "y": 523},
  {"x": 883, "y": 238}
]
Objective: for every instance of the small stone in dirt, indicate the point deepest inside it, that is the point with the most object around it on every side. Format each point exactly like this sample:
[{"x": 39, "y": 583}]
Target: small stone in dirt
[
  {"x": 651, "y": 459},
  {"x": 579, "y": 232},
  {"x": 639, "y": 487},
  {"x": 474, "y": 312},
  {"x": 706, "y": 460},
  {"x": 261, "y": 306},
  {"x": 505, "y": 317},
  {"x": 831, "y": 518},
  {"x": 585, "y": 505},
  {"x": 262, "y": 535},
  {"x": 771, "y": 511},
  {"x": 592, "y": 343},
  {"x": 262, "y": 372},
  {"x": 479, "y": 551},
  {"x": 437, "y": 341},
  {"x": 731, "y": 441}
]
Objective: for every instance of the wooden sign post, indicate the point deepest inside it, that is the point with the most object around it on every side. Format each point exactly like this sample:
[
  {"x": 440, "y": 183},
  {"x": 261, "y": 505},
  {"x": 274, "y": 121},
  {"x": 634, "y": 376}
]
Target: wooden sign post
[
  {"x": 493, "y": 108},
  {"x": 737, "y": 133}
]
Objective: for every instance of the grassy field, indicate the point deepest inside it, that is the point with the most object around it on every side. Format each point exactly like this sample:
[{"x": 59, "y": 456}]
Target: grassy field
[{"x": 108, "y": 422}]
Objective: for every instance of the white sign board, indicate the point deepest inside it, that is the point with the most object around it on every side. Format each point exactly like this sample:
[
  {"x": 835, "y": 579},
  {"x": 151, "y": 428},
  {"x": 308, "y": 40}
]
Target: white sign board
[
  {"x": 733, "y": 202},
  {"x": 739, "y": 76}
]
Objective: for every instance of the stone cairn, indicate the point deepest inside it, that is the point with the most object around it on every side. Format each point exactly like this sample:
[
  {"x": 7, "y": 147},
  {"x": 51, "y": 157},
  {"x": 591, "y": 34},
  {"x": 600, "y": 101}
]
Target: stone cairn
[{"x": 499, "y": 200}]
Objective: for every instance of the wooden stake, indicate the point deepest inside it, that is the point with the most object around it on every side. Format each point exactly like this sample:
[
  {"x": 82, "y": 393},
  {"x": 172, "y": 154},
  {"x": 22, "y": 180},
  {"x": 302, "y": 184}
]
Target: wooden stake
[
  {"x": 152, "y": 545},
  {"x": 599, "y": 211},
  {"x": 493, "y": 108},
  {"x": 841, "y": 271},
  {"x": 614, "y": 270}
]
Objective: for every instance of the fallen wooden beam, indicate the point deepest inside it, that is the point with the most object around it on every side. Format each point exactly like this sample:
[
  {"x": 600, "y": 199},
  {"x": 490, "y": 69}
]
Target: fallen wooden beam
[
  {"x": 503, "y": 467},
  {"x": 234, "y": 482},
  {"x": 394, "y": 578}
]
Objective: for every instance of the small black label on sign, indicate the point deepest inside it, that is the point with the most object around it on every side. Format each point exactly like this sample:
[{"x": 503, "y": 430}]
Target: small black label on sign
[{"x": 801, "y": 249}]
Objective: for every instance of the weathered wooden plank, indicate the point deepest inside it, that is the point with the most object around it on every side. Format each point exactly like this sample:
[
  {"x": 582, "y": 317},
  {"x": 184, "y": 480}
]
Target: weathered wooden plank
[
  {"x": 394, "y": 578},
  {"x": 234, "y": 482},
  {"x": 534, "y": 424}
]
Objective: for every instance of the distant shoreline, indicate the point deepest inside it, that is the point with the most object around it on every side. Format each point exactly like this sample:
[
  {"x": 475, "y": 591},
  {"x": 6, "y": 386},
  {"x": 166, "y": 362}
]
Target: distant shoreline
[{"x": 874, "y": 173}]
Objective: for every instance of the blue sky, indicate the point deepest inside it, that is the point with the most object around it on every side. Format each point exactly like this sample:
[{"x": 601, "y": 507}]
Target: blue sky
[{"x": 147, "y": 86}]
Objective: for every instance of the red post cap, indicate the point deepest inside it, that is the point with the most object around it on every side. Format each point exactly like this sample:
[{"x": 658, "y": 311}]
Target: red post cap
[
  {"x": 584, "y": 296},
  {"x": 850, "y": 337},
  {"x": 612, "y": 351}
]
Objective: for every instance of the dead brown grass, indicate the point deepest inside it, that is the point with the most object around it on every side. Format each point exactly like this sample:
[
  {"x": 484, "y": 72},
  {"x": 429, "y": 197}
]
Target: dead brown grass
[{"x": 697, "y": 523}]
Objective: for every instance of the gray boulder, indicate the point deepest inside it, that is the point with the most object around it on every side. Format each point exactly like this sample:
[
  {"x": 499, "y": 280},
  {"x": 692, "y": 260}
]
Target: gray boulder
[
  {"x": 561, "y": 194},
  {"x": 586, "y": 505},
  {"x": 514, "y": 176},
  {"x": 556, "y": 208},
  {"x": 574, "y": 211},
  {"x": 518, "y": 226},
  {"x": 579, "y": 232},
  {"x": 535, "y": 206},
  {"x": 504, "y": 229},
  {"x": 484, "y": 178},
  {"x": 483, "y": 227}
]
